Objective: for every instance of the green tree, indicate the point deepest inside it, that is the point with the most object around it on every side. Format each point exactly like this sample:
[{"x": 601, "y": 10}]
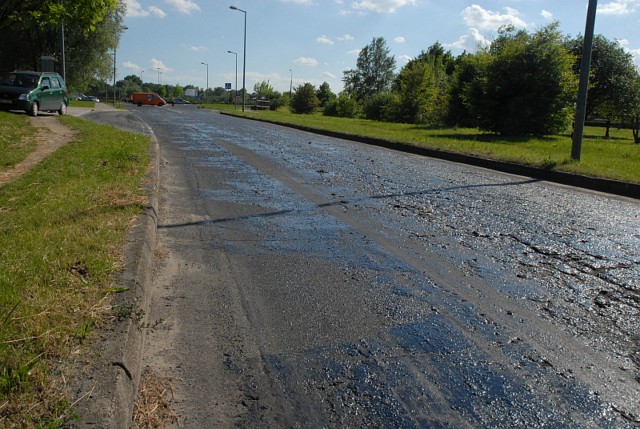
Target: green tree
[
  {"x": 178, "y": 91},
  {"x": 343, "y": 107},
  {"x": 422, "y": 88},
  {"x": 468, "y": 76},
  {"x": 528, "y": 86},
  {"x": 304, "y": 99},
  {"x": 374, "y": 71},
  {"x": 612, "y": 89},
  {"x": 382, "y": 107},
  {"x": 263, "y": 89},
  {"x": 92, "y": 29},
  {"x": 324, "y": 94},
  {"x": 133, "y": 79}
]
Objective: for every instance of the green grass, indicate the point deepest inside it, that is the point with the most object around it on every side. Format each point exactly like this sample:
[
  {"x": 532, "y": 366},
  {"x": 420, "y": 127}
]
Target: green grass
[
  {"x": 16, "y": 140},
  {"x": 79, "y": 103},
  {"x": 62, "y": 229},
  {"x": 220, "y": 106},
  {"x": 615, "y": 158}
]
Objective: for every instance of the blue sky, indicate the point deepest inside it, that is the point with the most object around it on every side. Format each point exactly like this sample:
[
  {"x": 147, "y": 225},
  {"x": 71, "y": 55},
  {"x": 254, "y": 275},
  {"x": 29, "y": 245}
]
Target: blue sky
[{"x": 317, "y": 40}]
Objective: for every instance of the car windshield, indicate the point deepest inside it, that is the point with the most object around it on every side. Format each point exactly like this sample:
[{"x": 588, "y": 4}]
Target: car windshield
[{"x": 21, "y": 80}]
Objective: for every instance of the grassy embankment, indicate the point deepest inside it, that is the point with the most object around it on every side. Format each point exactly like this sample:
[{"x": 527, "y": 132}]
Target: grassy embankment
[
  {"x": 62, "y": 230},
  {"x": 615, "y": 158}
]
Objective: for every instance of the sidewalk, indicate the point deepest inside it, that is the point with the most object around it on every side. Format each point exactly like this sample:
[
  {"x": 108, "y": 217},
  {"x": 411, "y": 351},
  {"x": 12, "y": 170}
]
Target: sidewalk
[{"x": 99, "y": 107}]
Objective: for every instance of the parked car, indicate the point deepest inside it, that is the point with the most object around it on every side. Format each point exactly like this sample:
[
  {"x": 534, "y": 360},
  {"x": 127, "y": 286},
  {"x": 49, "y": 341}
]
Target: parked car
[
  {"x": 91, "y": 98},
  {"x": 180, "y": 101},
  {"x": 34, "y": 92}
]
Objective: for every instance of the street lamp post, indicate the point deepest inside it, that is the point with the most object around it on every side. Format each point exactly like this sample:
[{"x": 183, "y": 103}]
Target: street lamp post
[
  {"x": 114, "y": 66},
  {"x": 205, "y": 91},
  {"x": 290, "y": 85},
  {"x": 235, "y": 95},
  {"x": 244, "y": 55}
]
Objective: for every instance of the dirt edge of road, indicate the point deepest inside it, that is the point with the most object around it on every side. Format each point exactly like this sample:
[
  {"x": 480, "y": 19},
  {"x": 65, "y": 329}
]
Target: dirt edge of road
[{"x": 109, "y": 379}]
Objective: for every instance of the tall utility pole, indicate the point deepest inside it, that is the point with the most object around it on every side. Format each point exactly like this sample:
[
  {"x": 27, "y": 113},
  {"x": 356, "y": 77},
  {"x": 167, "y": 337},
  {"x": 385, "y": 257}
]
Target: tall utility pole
[
  {"x": 122, "y": 28},
  {"x": 585, "y": 67},
  {"x": 244, "y": 55},
  {"x": 64, "y": 72},
  {"x": 205, "y": 91}
]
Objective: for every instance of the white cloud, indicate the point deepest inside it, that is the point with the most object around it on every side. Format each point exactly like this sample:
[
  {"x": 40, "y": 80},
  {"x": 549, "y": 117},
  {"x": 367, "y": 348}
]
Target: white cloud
[
  {"x": 618, "y": 7},
  {"x": 329, "y": 75},
  {"x": 325, "y": 40},
  {"x": 157, "y": 11},
  {"x": 306, "y": 61},
  {"x": 354, "y": 52},
  {"x": 477, "y": 17},
  {"x": 183, "y": 6},
  {"x": 197, "y": 48},
  {"x": 158, "y": 64},
  {"x": 381, "y": 6},
  {"x": 405, "y": 58},
  {"x": 129, "y": 65},
  {"x": 546, "y": 15},
  {"x": 635, "y": 52},
  {"x": 470, "y": 42},
  {"x": 298, "y": 1},
  {"x": 346, "y": 38},
  {"x": 399, "y": 39},
  {"x": 134, "y": 9}
]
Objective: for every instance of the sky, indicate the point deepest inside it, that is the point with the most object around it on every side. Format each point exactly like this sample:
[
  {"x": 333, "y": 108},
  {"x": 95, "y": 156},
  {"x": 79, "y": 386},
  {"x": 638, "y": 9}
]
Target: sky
[{"x": 292, "y": 42}]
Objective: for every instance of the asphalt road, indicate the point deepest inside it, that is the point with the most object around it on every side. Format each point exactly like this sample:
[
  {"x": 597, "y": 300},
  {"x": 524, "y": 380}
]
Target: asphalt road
[{"x": 303, "y": 281}]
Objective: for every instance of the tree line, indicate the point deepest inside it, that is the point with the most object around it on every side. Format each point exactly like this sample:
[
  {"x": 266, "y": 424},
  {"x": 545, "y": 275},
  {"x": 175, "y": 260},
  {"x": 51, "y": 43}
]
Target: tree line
[
  {"x": 522, "y": 84},
  {"x": 30, "y": 29}
]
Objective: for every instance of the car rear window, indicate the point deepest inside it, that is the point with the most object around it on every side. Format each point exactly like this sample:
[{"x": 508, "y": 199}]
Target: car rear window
[{"x": 19, "y": 79}]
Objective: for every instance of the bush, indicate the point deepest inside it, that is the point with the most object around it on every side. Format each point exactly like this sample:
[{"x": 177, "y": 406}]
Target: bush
[
  {"x": 277, "y": 102},
  {"x": 528, "y": 87},
  {"x": 378, "y": 107},
  {"x": 342, "y": 107},
  {"x": 304, "y": 99}
]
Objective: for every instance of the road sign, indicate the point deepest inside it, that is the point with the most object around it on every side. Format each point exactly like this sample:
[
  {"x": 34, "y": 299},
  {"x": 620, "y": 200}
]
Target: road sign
[{"x": 227, "y": 86}]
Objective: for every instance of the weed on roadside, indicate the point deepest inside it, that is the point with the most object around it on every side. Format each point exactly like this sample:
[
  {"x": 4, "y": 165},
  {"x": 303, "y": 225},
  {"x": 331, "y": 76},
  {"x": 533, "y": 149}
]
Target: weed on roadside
[
  {"x": 153, "y": 406},
  {"x": 62, "y": 232}
]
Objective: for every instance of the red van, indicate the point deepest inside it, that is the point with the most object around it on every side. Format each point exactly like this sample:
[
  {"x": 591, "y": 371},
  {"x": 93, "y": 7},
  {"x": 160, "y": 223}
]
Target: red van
[{"x": 150, "y": 98}]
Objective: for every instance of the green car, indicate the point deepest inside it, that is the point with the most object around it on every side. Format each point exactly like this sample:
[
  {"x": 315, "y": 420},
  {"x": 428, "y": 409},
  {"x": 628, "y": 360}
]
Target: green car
[{"x": 33, "y": 92}]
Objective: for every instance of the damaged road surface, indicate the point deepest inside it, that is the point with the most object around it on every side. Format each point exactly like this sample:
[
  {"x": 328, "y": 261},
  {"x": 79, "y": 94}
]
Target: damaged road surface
[{"x": 309, "y": 282}]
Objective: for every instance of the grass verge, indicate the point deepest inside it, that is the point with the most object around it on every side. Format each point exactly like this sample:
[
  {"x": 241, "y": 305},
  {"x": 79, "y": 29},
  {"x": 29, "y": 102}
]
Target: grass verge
[
  {"x": 81, "y": 103},
  {"x": 15, "y": 141},
  {"x": 62, "y": 229},
  {"x": 616, "y": 158}
]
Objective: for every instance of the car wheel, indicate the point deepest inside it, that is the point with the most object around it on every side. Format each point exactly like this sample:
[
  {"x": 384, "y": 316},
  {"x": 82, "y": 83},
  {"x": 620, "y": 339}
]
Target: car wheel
[
  {"x": 63, "y": 109},
  {"x": 139, "y": 104},
  {"x": 33, "y": 111}
]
